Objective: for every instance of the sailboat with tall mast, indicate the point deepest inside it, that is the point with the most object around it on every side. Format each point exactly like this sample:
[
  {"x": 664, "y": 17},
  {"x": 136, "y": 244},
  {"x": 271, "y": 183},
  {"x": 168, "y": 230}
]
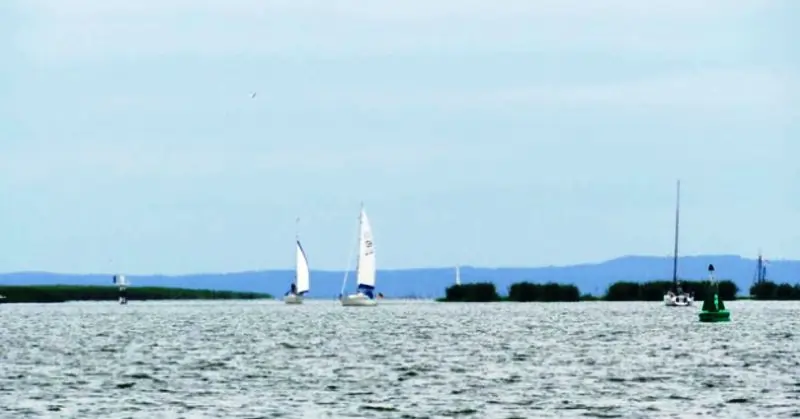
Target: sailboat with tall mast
[
  {"x": 302, "y": 275},
  {"x": 761, "y": 270},
  {"x": 676, "y": 296},
  {"x": 366, "y": 268},
  {"x": 458, "y": 275}
]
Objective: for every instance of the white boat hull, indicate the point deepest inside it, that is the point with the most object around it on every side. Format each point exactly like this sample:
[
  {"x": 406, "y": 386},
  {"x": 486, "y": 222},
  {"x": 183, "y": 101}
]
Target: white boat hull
[
  {"x": 358, "y": 300},
  {"x": 681, "y": 300},
  {"x": 293, "y": 299}
]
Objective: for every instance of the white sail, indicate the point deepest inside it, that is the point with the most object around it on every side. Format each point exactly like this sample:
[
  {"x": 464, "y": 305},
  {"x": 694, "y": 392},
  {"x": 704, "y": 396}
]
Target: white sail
[
  {"x": 365, "y": 273},
  {"x": 120, "y": 280},
  {"x": 302, "y": 274},
  {"x": 458, "y": 275}
]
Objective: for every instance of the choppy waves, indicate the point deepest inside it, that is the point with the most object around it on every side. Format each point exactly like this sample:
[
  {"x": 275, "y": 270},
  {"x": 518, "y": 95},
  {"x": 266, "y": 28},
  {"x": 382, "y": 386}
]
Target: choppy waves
[{"x": 406, "y": 359}]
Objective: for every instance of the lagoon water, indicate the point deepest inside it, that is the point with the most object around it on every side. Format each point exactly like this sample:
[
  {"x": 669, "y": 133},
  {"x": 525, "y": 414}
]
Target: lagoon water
[{"x": 403, "y": 359}]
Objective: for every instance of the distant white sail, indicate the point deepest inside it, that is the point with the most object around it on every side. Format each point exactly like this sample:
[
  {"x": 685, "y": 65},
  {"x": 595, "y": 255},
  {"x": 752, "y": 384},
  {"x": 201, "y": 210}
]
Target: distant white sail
[
  {"x": 303, "y": 276},
  {"x": 366, "y": 269},
  {"x": 120, "y": 280}
]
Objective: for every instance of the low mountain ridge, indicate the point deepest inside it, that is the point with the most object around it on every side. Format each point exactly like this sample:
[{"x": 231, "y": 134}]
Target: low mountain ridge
[{"x": 591, "y": 278}]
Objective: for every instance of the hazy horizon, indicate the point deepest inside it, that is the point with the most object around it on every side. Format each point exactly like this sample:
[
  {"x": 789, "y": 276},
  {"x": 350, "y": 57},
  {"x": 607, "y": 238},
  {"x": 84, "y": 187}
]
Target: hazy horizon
[
  {"x": 515, "y": 133},
  {"x": 410, "y": 268}
]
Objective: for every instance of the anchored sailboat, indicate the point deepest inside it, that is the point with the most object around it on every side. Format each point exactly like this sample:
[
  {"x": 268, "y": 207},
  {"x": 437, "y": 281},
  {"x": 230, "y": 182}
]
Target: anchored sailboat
[
  {"x": 365, "y": 268},
  {"x": 676, "y": 297},
  {"x": 302, "y": 276},
  {"x": 761, "y": 270}
]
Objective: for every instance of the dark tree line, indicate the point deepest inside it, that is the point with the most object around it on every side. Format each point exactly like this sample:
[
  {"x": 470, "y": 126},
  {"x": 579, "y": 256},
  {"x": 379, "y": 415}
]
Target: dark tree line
[
  {"x": 520, "y": 292},
  {"x": 483, "y": 292},
  {"x": 654, "y": 290},
  {"x": 546, "y": 293},
  {"x": 619, "y": 291},
  {"x": 62, "y": 293},
  {"x": 769, "y": 290}
]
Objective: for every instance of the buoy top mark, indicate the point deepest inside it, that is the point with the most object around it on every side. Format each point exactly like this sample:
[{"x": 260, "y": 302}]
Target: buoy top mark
[{"x": 711, "y": 268}]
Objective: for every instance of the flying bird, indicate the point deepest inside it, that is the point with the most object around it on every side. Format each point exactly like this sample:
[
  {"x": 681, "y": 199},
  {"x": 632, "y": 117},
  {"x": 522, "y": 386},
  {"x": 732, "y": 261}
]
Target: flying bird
[{"x": 253, "y": 95}]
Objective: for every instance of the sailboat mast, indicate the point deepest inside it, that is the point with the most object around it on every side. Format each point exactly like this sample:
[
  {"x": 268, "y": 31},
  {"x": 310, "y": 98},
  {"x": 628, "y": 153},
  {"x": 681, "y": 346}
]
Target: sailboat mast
[
  {"x": 677, "y": 229},
  {"x": 296, "y": 241},
  {"x": 350, "y": 255},
  {"x": 360, "y": 227},
  {"x": 760, "y": 275}
]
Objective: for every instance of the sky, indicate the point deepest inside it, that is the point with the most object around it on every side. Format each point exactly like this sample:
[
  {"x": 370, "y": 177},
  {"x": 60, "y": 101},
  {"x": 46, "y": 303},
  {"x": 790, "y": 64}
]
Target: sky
[{"x": 504, "y": 133}]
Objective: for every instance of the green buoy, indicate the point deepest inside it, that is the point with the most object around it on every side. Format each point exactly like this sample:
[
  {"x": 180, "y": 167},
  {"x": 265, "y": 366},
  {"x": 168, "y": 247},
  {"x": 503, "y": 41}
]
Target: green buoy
[{"x": 714, "y": 310}]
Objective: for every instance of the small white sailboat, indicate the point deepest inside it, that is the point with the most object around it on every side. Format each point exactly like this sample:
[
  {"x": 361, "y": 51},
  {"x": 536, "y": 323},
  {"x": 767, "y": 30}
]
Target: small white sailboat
[
  {"x": 366, "y": 268},
  {"x": 458, "y": 275},
  {"x": 676, "y": 297},
  {"x": 122, "y": 284},
  {"x": 302, "y": 276}
]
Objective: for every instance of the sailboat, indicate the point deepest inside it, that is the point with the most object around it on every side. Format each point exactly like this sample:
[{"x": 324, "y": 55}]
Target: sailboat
[
  {"x": 302, "y": 276},
  {"x": 676, "y": 297},
  {"x": 365, "y": 268},
  {"x": 458, "y": 275},
  {"x": 761, "y": 270},
  {"x": 122, "y": 284}
]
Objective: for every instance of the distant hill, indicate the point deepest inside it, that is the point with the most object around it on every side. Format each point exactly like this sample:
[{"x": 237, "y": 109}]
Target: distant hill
[{"x": 431, "y": 282}]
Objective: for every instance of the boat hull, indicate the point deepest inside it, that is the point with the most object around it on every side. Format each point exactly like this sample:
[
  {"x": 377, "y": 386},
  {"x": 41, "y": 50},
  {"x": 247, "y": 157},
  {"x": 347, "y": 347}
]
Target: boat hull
[
  {"x": 678, "y": 301},
  {"x": 358, "y": 300},
  {"x": 293, "y": 299},
  {"x": 715, "y": 316}
]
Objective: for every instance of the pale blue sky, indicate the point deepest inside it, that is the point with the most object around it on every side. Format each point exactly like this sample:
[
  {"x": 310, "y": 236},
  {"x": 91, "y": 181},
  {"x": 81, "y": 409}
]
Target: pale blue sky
[{"x": 501, "y": 133}]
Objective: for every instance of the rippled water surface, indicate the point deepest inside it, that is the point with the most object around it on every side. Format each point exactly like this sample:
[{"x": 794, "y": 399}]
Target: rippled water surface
[{"x": 402, "y": 359}]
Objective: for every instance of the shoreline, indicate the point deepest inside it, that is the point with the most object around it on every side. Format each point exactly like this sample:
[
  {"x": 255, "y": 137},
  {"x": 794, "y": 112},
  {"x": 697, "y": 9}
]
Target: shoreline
[
  {"x": 16, "y": 294},
  {"x": 621, "y": 291}
]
